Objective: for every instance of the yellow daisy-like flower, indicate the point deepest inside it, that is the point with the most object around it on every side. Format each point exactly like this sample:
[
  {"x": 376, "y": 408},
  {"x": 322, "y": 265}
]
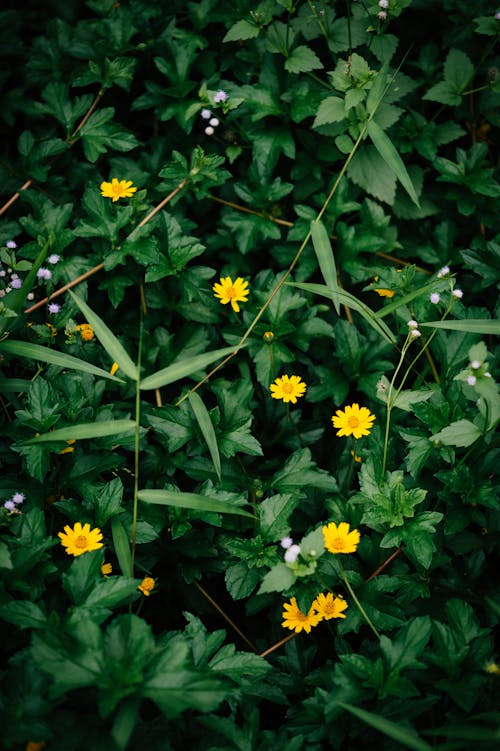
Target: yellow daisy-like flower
[
  {"x": 146, "y": 586},
  {"x": 86, "y": 331},
  {"x": 329, "y": 607},
  {"x": 354, "y": 420},
  {"x": 233, "y": 292},
  {"x": 288, "y": 389},
  {"x": 106, "y": 569},
  {"x": 340, "y": 539},
  {"x": 117, "y": 189},
  {"x": 296, "y": 620},
  {"x": 80, "y": 539},
  {"x": 384, "y": 292}
]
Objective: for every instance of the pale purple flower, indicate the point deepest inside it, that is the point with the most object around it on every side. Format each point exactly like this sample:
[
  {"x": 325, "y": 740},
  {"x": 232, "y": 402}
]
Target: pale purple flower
[
  {"x": 209, "y": 130},
  {"x": 415, "y": 333},
  {"x": 292, "y": 553},
  {"x": 434, "y": 298},
  {"x": 54, "y": 307},
  {"x": 18, "y": 498},
  {"x": 206, "y": 114},
  {"x": 11, "y": 244},
  {"x": 30, "y": 295},
  {"x": 382, "y": 15},
  {"x": 383, "y": 4},
  {"x": 286, "y": 542},
  {"x": 220, "y": 96},
  {"x": 471, "y": 380},
  {"x": 443, "y": 272},
  {"x": 53, "y": 258},
  {"x": 457, "y": 293},
  {"x": 44, "y": 273},
  {"x": 412, "y": 324},
  {"x": 213, "y": 121},
  {"x": 16, "y": 283},
  {"x": 475, "y": 365},
  {"x": 10, "y": 505},
  {"x": 3, "y": 273}
]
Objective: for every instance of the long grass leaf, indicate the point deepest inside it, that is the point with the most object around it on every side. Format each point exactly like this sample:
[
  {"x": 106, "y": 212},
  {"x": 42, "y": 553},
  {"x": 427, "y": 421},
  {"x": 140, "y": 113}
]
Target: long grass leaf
[
  {"x": 184, "y": 368},
  {"x": 191, "y": 501},
  {"x": 387, "y": 727},
  {"x": 326, "y": 260},
  {"x": 85, "y": 430},
  {"x": 392, "y": 306},
  {"x": 52, "y": 357},
  {"x": 111, "y": 344},
  {"x": 121, "y": 545},
  {"x": 388, "y": 152},
  {"x": 207, "y": 429},
  {"x": 471, "y": 325},
  {"x": 13, "y": 385},
  {"x": 367, "y": 313}
]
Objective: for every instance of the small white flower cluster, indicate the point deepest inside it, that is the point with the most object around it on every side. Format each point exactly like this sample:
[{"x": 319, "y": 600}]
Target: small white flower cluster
[
  {"x": 456, "y": 292},
  {"x": 413, "y": 329},
  {"x": 382, "y": 14},
  {"x": 292, "y": 551},
  {"x": 477, "y": 369},
  {"x": 13, "y": 503},
  {"x": 213, "y": 122}
]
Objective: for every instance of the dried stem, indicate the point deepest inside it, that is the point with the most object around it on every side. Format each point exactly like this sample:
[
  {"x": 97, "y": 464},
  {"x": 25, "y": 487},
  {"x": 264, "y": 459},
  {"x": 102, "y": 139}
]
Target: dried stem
[
  {"x": 246, "y": 210},
  {"x": 14, "y": 198},
  {"x": 225, "y": 616},
  {"x": 385, "y": 563},
  {"x": 66, "y": 287},
  {"x": 277, "y": 645}
]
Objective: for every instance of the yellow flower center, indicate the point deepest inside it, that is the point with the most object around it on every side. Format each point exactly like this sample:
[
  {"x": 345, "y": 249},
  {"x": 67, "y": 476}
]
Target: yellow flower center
[
  {"x": 338, "y": 544},
  {"x": 302, "y": 617},
  {"x": 117, "y": 189},
  {"x": 287, "y": 387},
  {"x": 353, "y": 421},
  {"x": 81, "y": 541}
]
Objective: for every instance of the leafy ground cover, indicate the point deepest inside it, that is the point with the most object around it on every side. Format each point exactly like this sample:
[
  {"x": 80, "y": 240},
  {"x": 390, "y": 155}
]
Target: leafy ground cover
[{"x": 249, "y": 285}]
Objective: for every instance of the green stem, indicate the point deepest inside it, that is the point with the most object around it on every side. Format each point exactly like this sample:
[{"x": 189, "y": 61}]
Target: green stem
[
  {"x": 137, "y": 436},
  {"x": 359, "y": 605}
]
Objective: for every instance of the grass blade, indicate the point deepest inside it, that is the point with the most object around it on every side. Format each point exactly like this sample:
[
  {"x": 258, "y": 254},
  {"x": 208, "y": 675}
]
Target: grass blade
[
  {"x": 207, "y": 428},
  {"x": 52, "y": 357},
  {"x": 191, "y": 501},
  {"x": 113, "y": 347},
  {"x": 122, "y": 546},
  {"x": 387, "y": 151},
  {"x": 400, "y": 734},
  {"x": 471, "y": 325},
  {"x": 326, "y": 260},
  {"x": 85, "y": 430},
  {"x": 184, "y": 368},
  {"x": 13, "y": 385}
]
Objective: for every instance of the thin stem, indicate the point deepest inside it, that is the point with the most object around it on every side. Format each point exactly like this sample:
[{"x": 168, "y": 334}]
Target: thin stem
[
  {"x": 385, "y": 563},
  {"x": 91, "y": 109},
  {"x": 246, "y": 210},
  {"x": 277, "y": 645},
  {"x": 162, "y": 203},
  {"x": 66, "y": 287},
  {"x": 225, "y": 616},
  {"x": 137, "y": 436},
  {"x": 16, "y": 195},
  {"x": 359, "y": 605}
]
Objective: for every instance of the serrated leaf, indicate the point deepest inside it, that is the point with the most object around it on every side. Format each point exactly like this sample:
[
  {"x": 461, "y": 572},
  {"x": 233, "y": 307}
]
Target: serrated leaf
[
  {"x": 302, "y": 60},
  {"x": 459, "y": 433},
  {"x": 331, "y": 110},
  {"x": 274, "y": 513},
  {"x": 278, "y": 579},
  {"x": 23, "y": 614},
  {"x": 458, "y": 70},
  {"x": 242, "y": 30}
]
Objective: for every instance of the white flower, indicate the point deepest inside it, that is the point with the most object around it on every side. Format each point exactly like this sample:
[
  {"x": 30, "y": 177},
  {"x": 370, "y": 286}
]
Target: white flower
[
  {"x": 16, "y": 283},
  {"x": 457, "y": 293},
  {"x": 443, "y": 272},
  {"x": 434, "y": 298},
  {"x": 10, "y": 505},
  {"x": 415, "y": 333},
  {"x": 213, "y": 121},
  {"x": 54, "y": 307},
  {"x": 11, "y": 244},
  {"x": 43, "y": 273},
  {"x": 383, "y": 3},
  {"x": 206, "y": 114},
  {"x": 18, "y": 498},
  {"x": 475, "y": 364},
  {"x": 30, "y": 295},
  {"x": 220, "y": 96},
  {"x": 53, "y": 258},
  {"x": 382, "y": 15},
  {"x": 412, "y": 324},
  {"x": 471, "y": 380},
  {"x": 286, "y": 542},
  {"x": 292, "y": 553},
  {"x": 209, "y": 130}
]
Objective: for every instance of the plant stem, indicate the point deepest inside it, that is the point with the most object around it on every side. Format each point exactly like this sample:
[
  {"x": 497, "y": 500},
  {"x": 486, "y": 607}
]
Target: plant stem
[
  {"x": 359, "y": 605},
  {"x": 137, "y": 436}
]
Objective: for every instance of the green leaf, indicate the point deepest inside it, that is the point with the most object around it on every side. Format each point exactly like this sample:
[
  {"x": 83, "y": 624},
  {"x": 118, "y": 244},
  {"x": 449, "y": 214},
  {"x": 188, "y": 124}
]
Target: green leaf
[
  {"x": 192, "y": 501},
  {"x": 111, "y": 344},
  {"x": 388, "y": 152},
  {"x": 331, "y": 110},
  {"x": 459, "y": 433},
  {"x": 110, "y": 592},
  {"x": 240, "y": 580},
  {"x": 458, "y": 70},
  {"x": 368, "y": 170},
  {"x": 326, "y": 260},
  {"x": 242, "y": 30},
  {"x": 23, "y": 614},
  {"x": 472, "y": 325},
  {"x": 121, "y": 545},
  {"x": 98, "y": 135},
  {"x": 184, "y": 368},
  {"x": 207, "y": 429},
  {"x": 404, "y": 735},
  {"x": 85, "y": 430},
  {"x": 302, "y": 60},
  {"x": 44, "y": 354},
  {"x": 444, "y": 93},
  {"x": 274, "y": 513},
  {"x": 278, "y": 579}
]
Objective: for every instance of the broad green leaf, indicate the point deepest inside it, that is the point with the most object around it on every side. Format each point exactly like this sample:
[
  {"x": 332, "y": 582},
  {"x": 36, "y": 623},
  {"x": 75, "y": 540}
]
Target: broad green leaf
[
  {"x": 326, "y": 260},
  {"x": 85, "y": 430},
  {"x": 207, "y": 429},
  {"x": 184, "y": 368},
  {"x": 13, "y": 385},
  {"x": 111, "y": 344},
  {"x": 23, "y": 614},
  {"x": 122, "y": 546},
  {"x": 459, "y": 433},
  {"x": 192, "y": 501},
  {"x": 351, "y": 302},
  {"x": 242, "y": 30},
  {"x": 331, "y": 110},
  {"x": 472, "y": 325},
  {"x": 458, "y": 70},
  {"x": 388, "y": 152},
  {"x": 302, "y": 60},
  {"x": 51, "y": 356},
  {"x": 108, "y": 593},
  {"x": 378, "y": 88},
  {"x": 278, "y": 579},
  {"x": 403, "y": 735}
]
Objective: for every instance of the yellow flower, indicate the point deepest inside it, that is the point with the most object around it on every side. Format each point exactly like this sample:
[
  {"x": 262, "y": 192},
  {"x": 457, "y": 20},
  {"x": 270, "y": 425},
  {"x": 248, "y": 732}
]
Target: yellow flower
[
  {"x": 233, "y": 292},
  {"x": 287, "y": 388},
  {"x": 106, "y": 569},
  {"x": 146, "y": 586},
  {"x": 80, "y": 539},
  {"x": 328, "y": 607},
  {"x": 384, "y": 292},
  {"x": 35, "y": 745},
  {"x": 355, "y": 420},
  {"x": 69, "y": 449},
  {"x": 114, "y": 368},
  {"x": 492, "y": 668},
  {"x": 296, "y": 620},
  {"x": 117, "y": 189},
  {"x": 340, "y": 539},
  {"x": 86, "y": 331}
]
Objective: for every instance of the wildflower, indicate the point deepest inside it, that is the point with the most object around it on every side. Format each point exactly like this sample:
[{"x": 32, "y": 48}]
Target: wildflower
[
  {"x": 415, "y": 333},
  {"x": 11, "y": 244},
  {"x": 384, "y": 292},
  {"x": 69, "y": 448},
  {"x": 475, "y": 365},
  {"x": 3, "y": 273},
  {"x": 44, "y": 273},
  {"x": 340, "y": 539},
  {"x": 54, "y": 307},
  {"x": 355, "y": 457},
  {"x": 434, "y": 298},
  {"x": 355, "y": 420},
  {"x": 146, "y": 586},
  {"x": 288, "y": 389},
  {"x": 286, "y": 542},
  {"x": 117, "y": 189},
  {"x": 10, "y": 505},
  {"x": 329, "y": 607},
  {"x": 268, "y": 337},
  {"x": 227, "y": 291},
  {"x": 86, "y": 331},
  {"x": 471, "y": 380},
  {"x": 491, "y": 667},
  {"x": 296, "y": 620},
  {"x": 114, "y": 368},
  {"x": 53, "y": 259},
  {"x": 16, "y": 283},
  {"x": 213, "y": 122},
  {"x": 457, "y": 293},
  {"x": 292, "y": 553},
  {"x": 106, "y": 569},
  {"x": 443, "y": 272},
  {"x": 18, "y": 498},
  {"x": 220, "y": 96},
  {"x": 80, "y": 539},
  {"x": 412, "y": 324},
  {"x": 34, "y": 746},
  {"x": 206, "y": 114},
  {"x": 209, "y": 130},
  {"x": 382, "y": 15},
  {"x": 30, "y": 296},
  {"x": 383, "y": 4}
]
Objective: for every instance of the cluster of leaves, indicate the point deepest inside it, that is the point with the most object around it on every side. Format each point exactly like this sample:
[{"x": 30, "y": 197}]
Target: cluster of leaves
[{"x": 353, "y": 151}]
